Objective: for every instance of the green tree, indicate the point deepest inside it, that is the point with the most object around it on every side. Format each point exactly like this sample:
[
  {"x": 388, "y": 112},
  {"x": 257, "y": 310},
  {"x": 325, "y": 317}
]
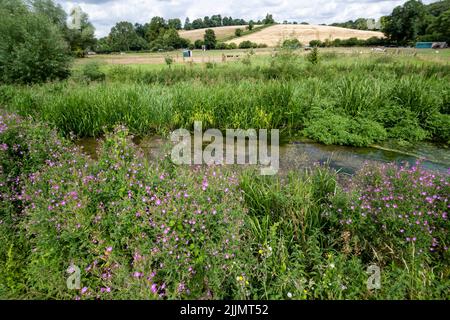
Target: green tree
[
  {"x": 123, "y": 36},
  {"x": 53, "y": 11},
  {"x": 156, "y": 28},
  {"x": 251, "y": 25},
  {"x": 441, "y": 26},
  {"x": 210, "y": 39},
  {"x": 269, "y": 19},
  {"x": 82, "y": 39},
  {"x": 406, "y": 22},
  {"x": 172, "y": 39},
  {"x": 187, "y": 24},
  {"x": 216, "y": 20},
  {"x": 174, "y": 24},
  {"x": 238, "y": 32},
  {"x": 32, "y": 48},
  {"x": 198, "y": 24}
]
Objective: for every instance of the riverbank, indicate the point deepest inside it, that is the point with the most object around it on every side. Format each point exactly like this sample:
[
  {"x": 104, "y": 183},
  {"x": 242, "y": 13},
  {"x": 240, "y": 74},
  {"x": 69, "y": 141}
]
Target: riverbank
[
  {"x": 142, "y": 230},
  {"x": 343, "y": 100}
]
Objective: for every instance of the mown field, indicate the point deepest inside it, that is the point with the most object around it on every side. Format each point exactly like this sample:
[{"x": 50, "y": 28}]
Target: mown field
[{"x": 153, "y": 230}]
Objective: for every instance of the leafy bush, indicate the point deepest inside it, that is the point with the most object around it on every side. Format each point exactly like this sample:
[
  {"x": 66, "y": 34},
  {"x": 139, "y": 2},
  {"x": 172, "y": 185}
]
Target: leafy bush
[
  {"x": 291, "y": 44},
  {"x": 313, "y": 56},
  {"x": 439, "y": 126},
  {"x": 247, "y": 45},
  {"x": 91, "y": 71},
  {"x": 32, "y": 49},
  {"x": 329, "y": 128}
]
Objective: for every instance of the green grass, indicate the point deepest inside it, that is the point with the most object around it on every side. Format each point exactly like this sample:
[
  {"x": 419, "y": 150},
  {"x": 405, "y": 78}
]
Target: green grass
[
  {"x": 343, "y": 100},
  {"x": 142, "y": 230}
]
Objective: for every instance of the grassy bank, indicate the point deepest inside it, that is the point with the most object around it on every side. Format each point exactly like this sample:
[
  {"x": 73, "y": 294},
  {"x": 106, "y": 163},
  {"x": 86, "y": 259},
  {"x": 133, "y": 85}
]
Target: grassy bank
[
  {"x": 343, "y": 100},
  {"x": 144, "y": 231}
]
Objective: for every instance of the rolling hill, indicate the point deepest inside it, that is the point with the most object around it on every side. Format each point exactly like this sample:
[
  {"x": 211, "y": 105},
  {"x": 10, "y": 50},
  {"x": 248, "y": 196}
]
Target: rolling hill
[
  {"x": 275, "y": 35},
  {"x": 221, "y": 33}
]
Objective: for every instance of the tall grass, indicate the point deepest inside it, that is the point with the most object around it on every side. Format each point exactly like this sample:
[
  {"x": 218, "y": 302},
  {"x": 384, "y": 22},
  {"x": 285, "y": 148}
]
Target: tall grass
[{"x": 337, "y": 101}]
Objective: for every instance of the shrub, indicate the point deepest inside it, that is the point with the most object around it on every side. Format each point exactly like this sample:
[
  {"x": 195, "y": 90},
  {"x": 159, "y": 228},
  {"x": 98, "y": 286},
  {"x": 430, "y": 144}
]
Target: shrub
[
  {"x": 198, "y": 44},
  {"x": 169, "y": 61},
  {"x": 291, "y": 44},
  {"x": 91, "y": 71},
  {"x": 221, "y": 46},
  {"x": 247, "y": 45},
  {"x": 313, "y": 56},
  {"x": 315, "y": 43},
  {"x": 32, "y": 49},
  {"x": 439, "y": 126},
  {"x": 329, "y": 128}
]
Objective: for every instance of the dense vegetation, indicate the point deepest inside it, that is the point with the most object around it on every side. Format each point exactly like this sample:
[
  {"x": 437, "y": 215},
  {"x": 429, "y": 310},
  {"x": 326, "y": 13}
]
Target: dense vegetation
[
  {"x": 415, "y": 21},
  {"x": 154, "y": 230},
  {"x": 32, "y": 49},
  {"x": 341, "y": 100},
  {"x": 158, "y": 231}
]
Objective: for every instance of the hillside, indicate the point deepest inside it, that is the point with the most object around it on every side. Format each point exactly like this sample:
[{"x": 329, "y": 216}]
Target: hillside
[
  {"x": 274, "y": 35},
  {"x": 221, "y": 32}
]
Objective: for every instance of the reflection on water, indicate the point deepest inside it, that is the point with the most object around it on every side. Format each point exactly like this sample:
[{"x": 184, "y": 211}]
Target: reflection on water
[{"x": 300, "y": 155}]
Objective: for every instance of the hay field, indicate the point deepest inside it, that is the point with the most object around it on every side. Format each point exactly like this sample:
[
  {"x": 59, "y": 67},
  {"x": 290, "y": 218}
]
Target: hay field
[
  {"x": 221, "y": 32},
  {"x": 273, "y": 36}
]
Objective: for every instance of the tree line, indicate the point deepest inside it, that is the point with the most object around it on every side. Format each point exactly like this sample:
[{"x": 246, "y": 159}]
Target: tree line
[
  {"x": 36, "y": 44},
  {"x": 161, "y": 34},
  {"x": 413, "y": 21}
]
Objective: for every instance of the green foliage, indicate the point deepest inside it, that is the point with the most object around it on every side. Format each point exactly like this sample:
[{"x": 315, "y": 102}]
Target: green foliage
[
  {"x": 269, "y": 19},
  {"x": 415, "y": 21},
  {"x": 91, "y": 71},
  {"x": 32, "y": 49},
  {"x": 169, "y": 60},
  {"x": 187, "y": 233},
  {"x": 123, "y": 37},
  {"x": 402, "y": 100},
  {"x": 82, "y": 39},
  {"x": 209, "y": 39},
  {"x": 247, "y": 45},
  {"x": 313, "y": 57},
  {"x": 330, "y": 128},
  {"x": 291, "y": 44}
]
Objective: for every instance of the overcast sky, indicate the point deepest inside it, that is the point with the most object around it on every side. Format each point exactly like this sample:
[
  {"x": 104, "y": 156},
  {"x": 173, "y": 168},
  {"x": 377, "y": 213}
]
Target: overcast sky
[{"x": 105, "y": 13}]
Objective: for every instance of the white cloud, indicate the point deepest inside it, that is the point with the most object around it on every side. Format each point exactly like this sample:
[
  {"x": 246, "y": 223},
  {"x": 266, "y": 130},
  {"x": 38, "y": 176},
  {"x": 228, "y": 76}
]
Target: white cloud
[{"x": 105, "y": 13}]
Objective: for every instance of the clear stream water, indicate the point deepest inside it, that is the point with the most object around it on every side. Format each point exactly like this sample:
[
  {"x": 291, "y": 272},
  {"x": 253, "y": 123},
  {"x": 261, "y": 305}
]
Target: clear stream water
[{"x": 303, "y": 154}]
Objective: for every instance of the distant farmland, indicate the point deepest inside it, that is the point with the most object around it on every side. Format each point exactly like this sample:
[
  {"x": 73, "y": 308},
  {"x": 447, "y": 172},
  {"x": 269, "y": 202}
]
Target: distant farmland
[
  {"x": 274, "y": 35},
  {"x": 221, "y": 32}
]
